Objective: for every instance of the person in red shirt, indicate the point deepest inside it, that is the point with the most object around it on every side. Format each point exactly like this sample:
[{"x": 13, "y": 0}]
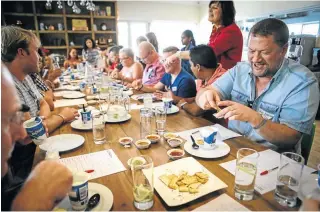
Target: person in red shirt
[{"x": 226, "y": 38}]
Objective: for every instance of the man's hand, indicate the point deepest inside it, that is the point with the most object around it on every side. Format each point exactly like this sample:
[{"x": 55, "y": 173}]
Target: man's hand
[
  {"x": 159, "y": 95},
  {"x": 208, "y": 100},
  {"x": 47, "y": 184},
  {"x": 171, "y": 60},
  {"x": 69, "y": 114},
  {"x": 115, "y": 74},
  {"x": 136, "y": 84},
  {"x": 240, "y": 112},
  {"x": 54, "y": 74}
]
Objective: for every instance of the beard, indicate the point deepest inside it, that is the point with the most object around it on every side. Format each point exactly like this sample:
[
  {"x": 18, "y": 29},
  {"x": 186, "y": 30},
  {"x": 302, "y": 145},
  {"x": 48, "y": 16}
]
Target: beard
[{"x": 266, "y": 72}]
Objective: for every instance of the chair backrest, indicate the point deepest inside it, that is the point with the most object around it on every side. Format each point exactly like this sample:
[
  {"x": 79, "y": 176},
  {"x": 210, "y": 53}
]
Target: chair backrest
[{"x": 306, "y": 143}]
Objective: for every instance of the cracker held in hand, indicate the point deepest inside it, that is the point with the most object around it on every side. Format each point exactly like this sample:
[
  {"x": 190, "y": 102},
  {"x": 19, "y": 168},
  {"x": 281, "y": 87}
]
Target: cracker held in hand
[{"x": 185, "y": 182}]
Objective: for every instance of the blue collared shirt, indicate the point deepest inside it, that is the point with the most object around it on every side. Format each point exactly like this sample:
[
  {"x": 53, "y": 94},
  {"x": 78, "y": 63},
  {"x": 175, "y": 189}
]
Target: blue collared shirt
[
  {"x": 291, "y": 97},
  {"x": 183, "y": 86}
]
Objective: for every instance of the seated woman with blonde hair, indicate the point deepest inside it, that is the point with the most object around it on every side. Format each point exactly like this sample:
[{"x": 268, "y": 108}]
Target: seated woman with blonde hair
[
  {"x": 72, "y": 59},
  {"x": 131, "y": 70}
]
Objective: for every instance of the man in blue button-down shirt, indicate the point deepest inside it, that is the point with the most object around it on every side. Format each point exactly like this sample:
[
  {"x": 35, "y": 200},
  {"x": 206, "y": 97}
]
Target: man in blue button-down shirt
[{"x": 271, "y": 100}]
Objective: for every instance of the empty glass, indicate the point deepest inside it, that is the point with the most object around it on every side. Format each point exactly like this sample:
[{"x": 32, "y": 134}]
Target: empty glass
[
  {"x": 246, "y": 171},
  {"x": 147, "y": 101},
  {"x": 98, "y": 128},
  {"x": 161, "y": 117},
  {"x": 145, "y": 122},
  {"x": 288, "y": 180},
  {"x": 142, "y": 185}
]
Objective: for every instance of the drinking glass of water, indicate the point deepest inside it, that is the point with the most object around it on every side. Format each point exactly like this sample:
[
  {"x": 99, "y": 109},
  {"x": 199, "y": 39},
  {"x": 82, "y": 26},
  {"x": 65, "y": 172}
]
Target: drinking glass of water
[
  {"x": 288, "y": 180},
  {"x": 161, "y": 118},
  {"x": 246, "y": 171},
  {"x": 143, "y": 186},
  {"x": 147, "y": 101},
  {"x": 98, "y": 127},
  {"x": 145, "y": 122}
]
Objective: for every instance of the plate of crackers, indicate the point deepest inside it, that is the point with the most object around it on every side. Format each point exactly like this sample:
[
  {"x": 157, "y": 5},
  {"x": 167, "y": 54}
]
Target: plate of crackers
[{"x": 183, "y": 181}]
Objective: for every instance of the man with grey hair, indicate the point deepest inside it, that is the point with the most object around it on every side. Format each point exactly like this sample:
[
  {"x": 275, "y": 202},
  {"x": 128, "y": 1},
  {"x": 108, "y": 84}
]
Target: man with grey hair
[
  {"x": 131, "y": 70},
  {"x": 271, "y": 100},
  {"x": 49, "y": 181},
  {"x": 175, "y": 83},
  {"x": 154, "y": 69}
]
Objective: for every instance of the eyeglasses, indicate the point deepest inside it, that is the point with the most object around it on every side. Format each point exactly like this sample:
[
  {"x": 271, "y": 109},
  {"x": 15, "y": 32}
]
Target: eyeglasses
[
  {"x": 122, "y": 59},
  {"x": 18, "y": 117}
]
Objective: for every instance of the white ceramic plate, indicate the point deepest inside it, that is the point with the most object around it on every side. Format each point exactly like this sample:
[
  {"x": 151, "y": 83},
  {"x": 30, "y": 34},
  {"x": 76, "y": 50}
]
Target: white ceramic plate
[
  {"x": 189, "y": 164},
  {"x": 220, "y": 150},
  {"x": 67, "y": 87},
  {"x": 78, "y": 125},
  {"x": 172, "y": 110},
  {"x": 73, "y": 95},
  {"x": 117, "y": 120},
  {"x": 106, "y": 198},
  {"x": 62, "y": 143}
]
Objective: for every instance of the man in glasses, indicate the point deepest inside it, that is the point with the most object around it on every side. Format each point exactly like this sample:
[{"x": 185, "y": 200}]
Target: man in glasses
[
  {"x": 175, "y": 83},
  {"x": 49, "y": 181},
  {"x": 154, "y": 69}
]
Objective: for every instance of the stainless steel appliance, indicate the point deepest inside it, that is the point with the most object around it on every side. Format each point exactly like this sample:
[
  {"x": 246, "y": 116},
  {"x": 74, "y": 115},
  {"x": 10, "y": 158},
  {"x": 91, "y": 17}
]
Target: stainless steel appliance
[{"x": 301, "y": 49}]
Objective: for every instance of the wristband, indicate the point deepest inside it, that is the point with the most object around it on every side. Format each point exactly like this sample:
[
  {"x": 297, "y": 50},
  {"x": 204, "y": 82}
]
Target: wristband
[
  {"x": 183, "y": 104},
  {"x": 63, "y": 119},
  {"x": 262, "y": 123}
]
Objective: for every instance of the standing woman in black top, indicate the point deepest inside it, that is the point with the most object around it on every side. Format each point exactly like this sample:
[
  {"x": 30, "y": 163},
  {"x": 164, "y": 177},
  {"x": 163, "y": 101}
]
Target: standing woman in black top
[{"x": 153, "y": 40}]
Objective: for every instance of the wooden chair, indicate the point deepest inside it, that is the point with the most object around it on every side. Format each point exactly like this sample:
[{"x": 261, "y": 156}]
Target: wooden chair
[{"x": 306, "y": 143}]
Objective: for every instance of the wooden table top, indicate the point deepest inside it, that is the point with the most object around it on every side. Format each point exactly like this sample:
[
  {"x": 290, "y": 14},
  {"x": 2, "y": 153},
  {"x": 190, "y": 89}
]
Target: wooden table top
[{"x": 121, "y": 183}]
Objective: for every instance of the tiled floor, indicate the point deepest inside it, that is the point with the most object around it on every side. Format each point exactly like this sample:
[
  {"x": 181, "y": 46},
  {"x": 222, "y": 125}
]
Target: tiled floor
[{"x": 314, "y": 158}]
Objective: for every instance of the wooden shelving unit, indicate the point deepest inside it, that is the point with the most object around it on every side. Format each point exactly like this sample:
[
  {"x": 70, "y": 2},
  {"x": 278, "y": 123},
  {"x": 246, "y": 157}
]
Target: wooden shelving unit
[{"x": 32, "y": 13}]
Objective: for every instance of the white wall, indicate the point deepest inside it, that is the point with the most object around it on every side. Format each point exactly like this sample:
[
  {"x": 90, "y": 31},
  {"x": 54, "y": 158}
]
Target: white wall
[
  {"x": 252, "y": 9},
  {"x": 158, "y": 10}
]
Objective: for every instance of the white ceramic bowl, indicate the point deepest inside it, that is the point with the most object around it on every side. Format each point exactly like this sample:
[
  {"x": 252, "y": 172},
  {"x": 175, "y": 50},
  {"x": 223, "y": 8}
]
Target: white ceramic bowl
[
  {"x": 154, "y": 138},
  {"x": 169, "y": 135},
  {"x": 143, "y": 144},
  {"x": 171, "y": 153},
  {"x": 125, "y": 141},
  {"x": 174, "y": 142},
  {"x": 204, "y": 145}
]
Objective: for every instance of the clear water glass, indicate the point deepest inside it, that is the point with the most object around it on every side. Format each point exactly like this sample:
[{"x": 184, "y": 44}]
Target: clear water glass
[
  {"x": 161, "y": 118},
  {"x": 288, "y": 179},
  {"x": 143, "y": 189},
  {"x": 246, "y": 172},
  {"x": 147, "y": 101},
  {"x": 98, "y": 128},
  {"x": 145, "y": 122}
]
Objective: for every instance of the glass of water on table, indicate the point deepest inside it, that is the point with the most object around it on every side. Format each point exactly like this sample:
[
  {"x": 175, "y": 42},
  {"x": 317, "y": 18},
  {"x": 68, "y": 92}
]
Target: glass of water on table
[
  {"x": 288, "y": 179},
  {"x": 161, "y": 118},
  {"x": 246, "y": 171},
  {"x": 98, "y": 128}
]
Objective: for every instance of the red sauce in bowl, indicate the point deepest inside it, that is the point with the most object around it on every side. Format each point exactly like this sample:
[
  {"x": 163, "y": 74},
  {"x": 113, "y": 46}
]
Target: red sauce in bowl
[{"x": 176, "y": 153}]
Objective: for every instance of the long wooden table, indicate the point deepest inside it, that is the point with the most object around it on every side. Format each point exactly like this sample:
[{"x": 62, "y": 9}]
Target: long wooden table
[{"x": 121, "y": 183}]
